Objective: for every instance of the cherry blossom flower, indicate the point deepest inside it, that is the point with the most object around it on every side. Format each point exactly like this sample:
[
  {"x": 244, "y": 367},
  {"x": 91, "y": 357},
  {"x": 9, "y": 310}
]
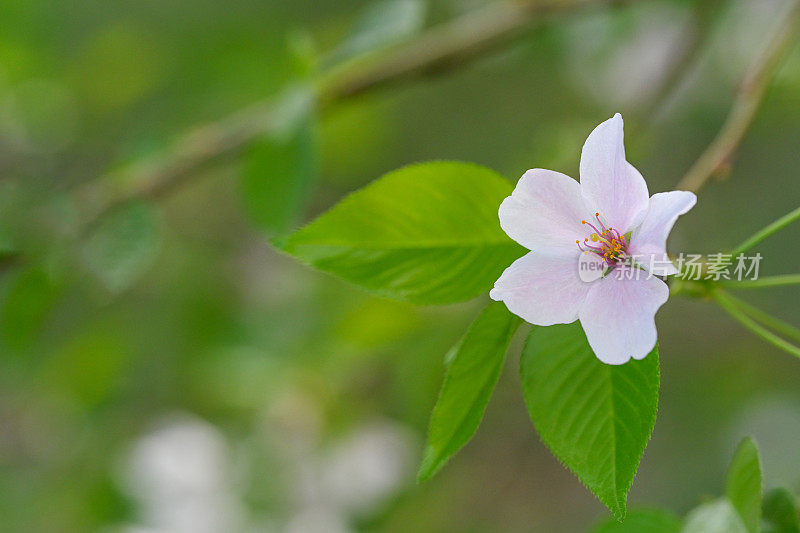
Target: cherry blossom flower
[{"x": 607, "y": 221}]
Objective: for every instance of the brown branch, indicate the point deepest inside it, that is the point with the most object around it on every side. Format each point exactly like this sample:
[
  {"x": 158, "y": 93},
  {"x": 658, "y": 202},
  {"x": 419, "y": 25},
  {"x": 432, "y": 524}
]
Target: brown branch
[
  {"x": 449, "y": 44},
  {"x": 717, "y": 157}
]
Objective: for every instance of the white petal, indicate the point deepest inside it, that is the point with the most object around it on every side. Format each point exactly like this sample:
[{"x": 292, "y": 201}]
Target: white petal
[
  {"x": 544, "y": 289},
  {"x": 545, "y": 211},
  {"x": 649, "y": 240},
  {"x": 618, "y": 316},
  {"x": 609, "y": 184}
]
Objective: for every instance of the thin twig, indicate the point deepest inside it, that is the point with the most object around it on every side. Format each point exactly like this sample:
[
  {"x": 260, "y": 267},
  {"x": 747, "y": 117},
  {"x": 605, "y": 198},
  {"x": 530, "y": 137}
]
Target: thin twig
[
  {"x": 767, "y": 320},
  {"x": 446, "y": 45},
  {"x": 733, "y": 309},
  {"x": 764, "y": 282},
  {"x": 778, "y": 225},
  {"x": 717, "y": 157}
]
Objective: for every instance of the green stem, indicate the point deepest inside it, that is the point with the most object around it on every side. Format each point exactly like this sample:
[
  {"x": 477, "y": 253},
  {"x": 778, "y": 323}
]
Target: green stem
[
  {"x": 762, "y": 283},
  {"x": 778, "y": 225},
  {"x": 730, "y": 305},
  {"x": 767, "y": 320}
]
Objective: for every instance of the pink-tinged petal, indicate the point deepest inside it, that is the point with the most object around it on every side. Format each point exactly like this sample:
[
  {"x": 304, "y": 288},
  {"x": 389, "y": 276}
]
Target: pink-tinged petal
[
  {"x": 649, "y": 240},
  {"x": 609, "y": 184},
  {"x": 544, "y": 289},
  {"x": 545, "y": 212},
  {"x": 618, "y": 315}
]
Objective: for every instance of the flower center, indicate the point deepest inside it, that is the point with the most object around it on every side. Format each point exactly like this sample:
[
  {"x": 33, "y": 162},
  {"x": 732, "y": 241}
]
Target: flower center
[{"x": 605, "y": 242}]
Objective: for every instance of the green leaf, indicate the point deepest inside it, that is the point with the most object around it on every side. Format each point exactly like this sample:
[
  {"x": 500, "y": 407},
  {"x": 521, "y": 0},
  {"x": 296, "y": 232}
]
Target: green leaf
[
  {"x": 642, "y": 520},
  {"x": 88, "y": 368},
  {"x": 382, "y": 24},
  {"x": 718, "y": 516},
  {"x": 124, "y": 245},
  {"x": 471, "y": 376},
  {"x": 595, "y": 418},
  {"x": 743, "y": 486},
  {"x": 278, "y": 176},
  {"x": 31, "y": 296},
  {"x": 780, "y": 512},
  {"x": 426, "y": 233}
]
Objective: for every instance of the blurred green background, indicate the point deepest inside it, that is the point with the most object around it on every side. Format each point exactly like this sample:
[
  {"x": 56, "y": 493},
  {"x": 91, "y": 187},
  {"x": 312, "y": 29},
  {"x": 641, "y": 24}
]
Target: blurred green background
[{"x": 165, "y": 370}]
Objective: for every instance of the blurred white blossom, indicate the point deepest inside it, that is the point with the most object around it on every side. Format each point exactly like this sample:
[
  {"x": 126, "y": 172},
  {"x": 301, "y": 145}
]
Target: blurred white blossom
[
  {"x": 359, "y": 472},
  {"x": 180, "y": 476}
]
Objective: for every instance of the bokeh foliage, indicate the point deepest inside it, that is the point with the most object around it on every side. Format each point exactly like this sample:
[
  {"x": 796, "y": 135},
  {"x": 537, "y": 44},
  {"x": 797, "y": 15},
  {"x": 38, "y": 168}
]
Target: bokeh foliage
[{"x": 175, "y": 307}]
